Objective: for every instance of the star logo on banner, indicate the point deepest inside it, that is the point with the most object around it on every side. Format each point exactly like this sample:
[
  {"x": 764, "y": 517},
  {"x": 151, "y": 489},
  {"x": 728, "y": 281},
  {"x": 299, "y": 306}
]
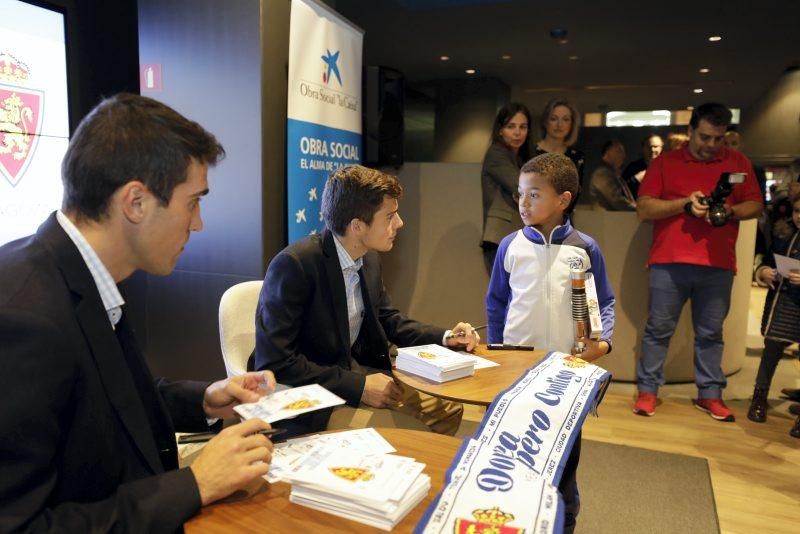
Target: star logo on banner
[
  {"x": 300, "y": 216},
  {"x": 313, "y": 231},
  {"x": 312, "y": 194},
  {"x": 330, "y": 60}
]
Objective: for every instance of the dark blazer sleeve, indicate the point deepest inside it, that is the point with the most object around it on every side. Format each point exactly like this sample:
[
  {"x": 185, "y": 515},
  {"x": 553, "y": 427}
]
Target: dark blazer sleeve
[
  {"x": 184, "y": 402},
  {"x": 284, "y": 308},
  {"x": 40, "y": 385},
  {"x": 499, "y": 165}
]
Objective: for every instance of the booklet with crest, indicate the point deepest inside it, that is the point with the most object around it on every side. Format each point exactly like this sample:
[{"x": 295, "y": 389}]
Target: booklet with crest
[
  {"x": 366, "y": 478},
  {"x": 289, "y": 403},
  {"x": 372, "y": 488},
  {"x": 286, "y": 454},
  {"x": 435, "y": 362}
]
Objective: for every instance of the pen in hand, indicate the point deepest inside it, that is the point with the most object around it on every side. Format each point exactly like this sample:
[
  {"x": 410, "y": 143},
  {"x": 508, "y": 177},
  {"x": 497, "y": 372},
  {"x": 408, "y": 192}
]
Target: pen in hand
[
  {"x": 202, "y": 437},
  {"x": 451, "y": 335}
]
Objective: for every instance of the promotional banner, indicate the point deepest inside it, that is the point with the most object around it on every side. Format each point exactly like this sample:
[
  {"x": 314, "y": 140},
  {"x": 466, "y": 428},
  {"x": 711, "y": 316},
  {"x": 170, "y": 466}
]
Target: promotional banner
[
  {"x": 506, "y": 476},
  {"x": 34, "y": 122},
  {"x": 324, "y": 108}
]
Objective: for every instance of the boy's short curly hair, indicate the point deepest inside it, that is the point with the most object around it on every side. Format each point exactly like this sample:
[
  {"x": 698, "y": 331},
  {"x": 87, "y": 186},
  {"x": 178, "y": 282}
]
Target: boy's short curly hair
[{"x": 557, "y": 168}]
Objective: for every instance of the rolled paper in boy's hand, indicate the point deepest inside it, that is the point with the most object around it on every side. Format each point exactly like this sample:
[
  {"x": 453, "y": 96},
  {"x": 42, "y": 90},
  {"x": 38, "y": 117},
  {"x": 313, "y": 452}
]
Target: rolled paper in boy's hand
[{"x": 580, "y": 311}]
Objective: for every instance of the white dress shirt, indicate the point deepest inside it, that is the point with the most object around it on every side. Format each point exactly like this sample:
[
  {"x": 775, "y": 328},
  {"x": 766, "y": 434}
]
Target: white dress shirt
[
  {"x": 352, "y": 289},
  {"x": 109, "y": 293}
]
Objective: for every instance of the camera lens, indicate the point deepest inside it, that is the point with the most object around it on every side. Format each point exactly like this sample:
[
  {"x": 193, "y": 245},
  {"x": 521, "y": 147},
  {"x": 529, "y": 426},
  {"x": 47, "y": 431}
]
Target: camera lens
[{"x": 717, "y": 215}]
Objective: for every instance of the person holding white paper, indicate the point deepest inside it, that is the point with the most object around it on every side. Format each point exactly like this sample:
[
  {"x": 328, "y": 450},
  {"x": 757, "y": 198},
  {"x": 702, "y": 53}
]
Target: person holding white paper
[
  {"x": 325, "y": 317},
  {"x": 87, "y": 435},
  {"x": 780, "y": 323}
]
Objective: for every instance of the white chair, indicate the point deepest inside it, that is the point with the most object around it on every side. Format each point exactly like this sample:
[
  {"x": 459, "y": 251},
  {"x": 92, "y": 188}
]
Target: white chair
[{"x": 237, "y": 325}]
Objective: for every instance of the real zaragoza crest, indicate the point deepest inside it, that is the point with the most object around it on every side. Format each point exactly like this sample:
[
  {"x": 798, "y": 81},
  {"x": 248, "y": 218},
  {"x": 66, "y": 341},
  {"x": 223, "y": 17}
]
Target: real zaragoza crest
[
  {"x": 301, "y": 404},
  {"x": 352, "y": 474},
  {"x": 488, "y": 521},
  {"x": 20, "y": 118}
]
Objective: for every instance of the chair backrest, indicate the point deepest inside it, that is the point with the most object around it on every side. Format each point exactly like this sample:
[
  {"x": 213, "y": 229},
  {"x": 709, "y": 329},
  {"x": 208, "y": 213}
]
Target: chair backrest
[{"x": 237, "y": 325}]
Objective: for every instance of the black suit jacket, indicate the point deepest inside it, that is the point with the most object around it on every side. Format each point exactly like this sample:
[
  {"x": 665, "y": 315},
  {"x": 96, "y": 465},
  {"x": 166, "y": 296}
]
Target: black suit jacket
[
  {"x": 78, "y": 452},
  {"x": 302, "y": 331}
]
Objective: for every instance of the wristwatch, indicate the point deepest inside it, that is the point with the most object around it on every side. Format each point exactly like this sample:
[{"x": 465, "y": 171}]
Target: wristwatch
[
  {"x": 688, "y": 208},
  {"x": 610, "y": 346}
]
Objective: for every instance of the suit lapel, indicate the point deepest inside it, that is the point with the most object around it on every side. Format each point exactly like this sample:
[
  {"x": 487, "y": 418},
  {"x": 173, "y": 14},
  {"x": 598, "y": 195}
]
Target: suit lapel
[
  {"x": 338, "y": 296},
  {"x": 103, "y": 344}
]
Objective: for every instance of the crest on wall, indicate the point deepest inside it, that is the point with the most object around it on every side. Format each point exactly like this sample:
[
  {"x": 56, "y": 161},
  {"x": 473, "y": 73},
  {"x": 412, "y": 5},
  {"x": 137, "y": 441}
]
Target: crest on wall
[{"x": 20, "y": 118}]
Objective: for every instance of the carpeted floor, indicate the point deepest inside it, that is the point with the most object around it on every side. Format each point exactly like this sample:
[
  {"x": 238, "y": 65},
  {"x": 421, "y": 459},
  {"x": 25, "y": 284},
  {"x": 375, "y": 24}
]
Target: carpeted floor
[{"x": 631, "y": 490}]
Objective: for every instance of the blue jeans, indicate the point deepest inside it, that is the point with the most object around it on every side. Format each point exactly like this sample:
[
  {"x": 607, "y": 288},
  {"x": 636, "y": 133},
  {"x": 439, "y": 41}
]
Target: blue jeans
[{"x": 671, "y": 285}]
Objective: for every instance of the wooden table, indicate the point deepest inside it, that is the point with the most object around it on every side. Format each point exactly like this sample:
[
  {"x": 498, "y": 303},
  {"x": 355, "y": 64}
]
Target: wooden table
[
  {"x": 265, "y": 507},
  {"x": 485, "y": 384}
]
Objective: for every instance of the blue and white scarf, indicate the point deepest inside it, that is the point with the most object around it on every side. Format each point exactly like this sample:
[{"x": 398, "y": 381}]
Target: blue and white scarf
[{"x": 506, "y": 476}]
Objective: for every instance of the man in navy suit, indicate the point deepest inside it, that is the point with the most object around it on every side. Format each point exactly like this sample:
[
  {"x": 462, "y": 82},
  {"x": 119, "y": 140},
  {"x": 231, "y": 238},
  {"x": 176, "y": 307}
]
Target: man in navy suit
[
  {"x": 325, "y": 317},
  {"x": 86, "y": 434}
]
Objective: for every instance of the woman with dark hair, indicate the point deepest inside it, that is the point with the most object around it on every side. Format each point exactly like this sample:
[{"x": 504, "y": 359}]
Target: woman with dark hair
[
  {"x": 559, "y": 125},
  {"x": 510, "y": 148}
]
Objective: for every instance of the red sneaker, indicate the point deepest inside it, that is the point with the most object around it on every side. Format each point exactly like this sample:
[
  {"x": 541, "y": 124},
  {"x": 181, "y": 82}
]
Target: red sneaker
[
  {"x": 715, "y": 408},
  {"x": 645, "y": 404}
]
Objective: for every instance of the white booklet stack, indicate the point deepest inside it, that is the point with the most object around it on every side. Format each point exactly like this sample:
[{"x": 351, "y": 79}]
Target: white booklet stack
[
  {"x": 435, "y": 362},
  {"x": 373, "y": 488}
]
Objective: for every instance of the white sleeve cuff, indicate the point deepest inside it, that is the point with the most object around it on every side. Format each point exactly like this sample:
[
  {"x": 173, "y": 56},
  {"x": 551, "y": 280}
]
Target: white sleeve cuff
[{"x": 444, "y": 337}]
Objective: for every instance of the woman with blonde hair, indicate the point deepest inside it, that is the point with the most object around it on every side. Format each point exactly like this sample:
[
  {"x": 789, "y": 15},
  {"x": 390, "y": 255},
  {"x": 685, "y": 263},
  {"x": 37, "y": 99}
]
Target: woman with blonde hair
[
  {"x": 675, "y": 140},
  {"x": 559, "y": 125}
]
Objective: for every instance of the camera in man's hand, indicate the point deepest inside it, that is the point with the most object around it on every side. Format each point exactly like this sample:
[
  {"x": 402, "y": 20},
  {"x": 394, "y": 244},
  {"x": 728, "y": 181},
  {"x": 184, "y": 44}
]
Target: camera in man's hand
[{"x": 717, "y": 213}]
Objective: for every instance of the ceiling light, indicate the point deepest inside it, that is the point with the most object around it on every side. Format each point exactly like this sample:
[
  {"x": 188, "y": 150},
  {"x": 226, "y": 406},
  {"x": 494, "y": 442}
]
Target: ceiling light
[
  {"x": 470, "y": 71},
  {"x": 445, "y": 58},
  {"x": 715, "y": 38},
  {"x": 698, "y": 90},
  {"x": 506, "y": 57},
  {"x": 704, "y": 70},
  {"x": 573, "y": 58},
  {"x": 690, "y": 108}
]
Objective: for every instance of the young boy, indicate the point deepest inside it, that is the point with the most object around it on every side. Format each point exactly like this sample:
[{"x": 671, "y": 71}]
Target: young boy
[{"x": 529, "y": 301}]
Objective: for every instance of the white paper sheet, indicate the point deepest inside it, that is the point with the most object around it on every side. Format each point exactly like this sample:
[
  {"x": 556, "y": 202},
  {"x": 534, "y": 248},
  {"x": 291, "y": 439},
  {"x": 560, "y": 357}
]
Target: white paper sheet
[
  {"x": 369, "y": 479},
  {"x": 785, "y": 264}
]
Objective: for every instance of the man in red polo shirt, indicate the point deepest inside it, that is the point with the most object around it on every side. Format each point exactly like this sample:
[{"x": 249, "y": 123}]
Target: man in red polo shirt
[{"x": 690, "y": 258}]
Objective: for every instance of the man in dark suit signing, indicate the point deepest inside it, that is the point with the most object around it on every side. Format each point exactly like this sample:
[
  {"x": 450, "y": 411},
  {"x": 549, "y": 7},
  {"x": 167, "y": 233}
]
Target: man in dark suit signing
[
  {"x": 86, "y": 434},
  {"x": 325, "y": 317}
]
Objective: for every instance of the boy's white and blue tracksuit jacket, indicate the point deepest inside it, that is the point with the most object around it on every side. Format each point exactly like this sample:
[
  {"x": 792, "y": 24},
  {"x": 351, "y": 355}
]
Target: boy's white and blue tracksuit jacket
[{"x": 529, "y": 300}]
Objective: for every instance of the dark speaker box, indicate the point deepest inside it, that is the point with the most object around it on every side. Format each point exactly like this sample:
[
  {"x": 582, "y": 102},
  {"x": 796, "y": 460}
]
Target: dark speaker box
[{"x": 384, "y": 90}]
